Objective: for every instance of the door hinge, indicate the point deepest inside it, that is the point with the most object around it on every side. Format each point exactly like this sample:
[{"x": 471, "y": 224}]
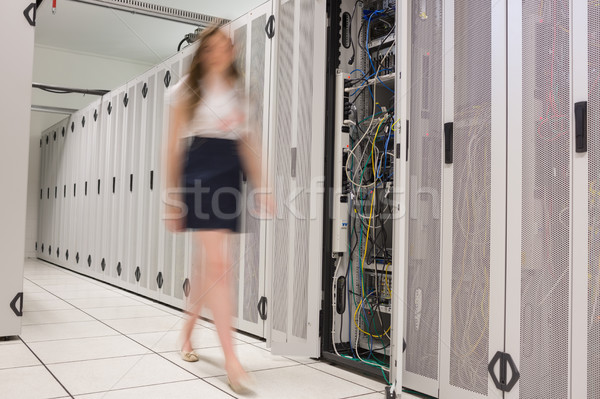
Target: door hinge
[
  {"x": 262, "y": 308},
  {"x": 29, "y": 15},
  {"x": 18, "y": 311},
  {"x": 270, "y": 27},
  {"x": 502, "y": 383}
]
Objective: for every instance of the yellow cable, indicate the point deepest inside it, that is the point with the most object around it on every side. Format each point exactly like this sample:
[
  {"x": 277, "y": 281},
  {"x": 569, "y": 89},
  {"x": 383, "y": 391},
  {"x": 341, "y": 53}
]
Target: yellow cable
[
  {"x": 386, "y": 280},
  {"x": 363, "y": 331},
  {"x": 394, "y": 124},
  {"x": 362, "y": 263}
]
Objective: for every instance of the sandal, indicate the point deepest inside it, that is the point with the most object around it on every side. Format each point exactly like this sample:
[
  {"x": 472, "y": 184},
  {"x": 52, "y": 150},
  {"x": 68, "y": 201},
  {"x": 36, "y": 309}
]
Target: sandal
[{"x": 189, "y": 356}]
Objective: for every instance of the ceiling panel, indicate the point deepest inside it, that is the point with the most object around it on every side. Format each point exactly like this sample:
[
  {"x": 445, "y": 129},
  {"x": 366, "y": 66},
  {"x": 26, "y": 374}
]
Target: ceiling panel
[{"x": 90, "y": 29}]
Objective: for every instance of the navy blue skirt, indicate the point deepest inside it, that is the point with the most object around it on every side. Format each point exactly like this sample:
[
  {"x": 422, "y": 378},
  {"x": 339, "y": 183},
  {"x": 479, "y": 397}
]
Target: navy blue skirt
[{"x": 211, "y": 180}]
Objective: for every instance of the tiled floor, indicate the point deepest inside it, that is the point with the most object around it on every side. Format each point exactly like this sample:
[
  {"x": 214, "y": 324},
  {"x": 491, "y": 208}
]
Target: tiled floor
[{"x": 85, "y": 339}]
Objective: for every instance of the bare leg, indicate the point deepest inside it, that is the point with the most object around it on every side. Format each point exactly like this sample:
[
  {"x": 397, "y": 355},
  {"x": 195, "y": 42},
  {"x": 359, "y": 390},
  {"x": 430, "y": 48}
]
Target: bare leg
[
  {"x": 216, "y": 293},
  {"x": 197, "y": 299}
]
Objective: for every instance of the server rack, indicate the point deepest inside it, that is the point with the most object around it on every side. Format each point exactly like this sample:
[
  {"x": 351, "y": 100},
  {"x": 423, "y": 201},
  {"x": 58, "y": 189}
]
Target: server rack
[{"x": 362, "y": 35}]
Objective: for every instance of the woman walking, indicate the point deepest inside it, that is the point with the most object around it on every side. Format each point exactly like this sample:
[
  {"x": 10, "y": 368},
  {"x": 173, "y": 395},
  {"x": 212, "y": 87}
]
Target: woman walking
[{"x": 207, "y": 109}]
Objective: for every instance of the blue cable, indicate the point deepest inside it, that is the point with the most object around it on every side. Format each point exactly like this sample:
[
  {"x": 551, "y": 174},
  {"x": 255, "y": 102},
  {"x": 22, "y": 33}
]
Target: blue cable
[
  {"x": 365, "y": 79},
  {"x": 376, "y": 12},
  {"x": 386, "y": 149}
]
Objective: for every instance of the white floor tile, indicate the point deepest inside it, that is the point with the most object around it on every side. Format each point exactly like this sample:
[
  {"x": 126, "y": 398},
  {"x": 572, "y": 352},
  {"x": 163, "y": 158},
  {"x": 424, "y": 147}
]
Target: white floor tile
[
  {"x": 52, "y": 332},
  {"x": 86, "y": 349},
  {"x": 124, "y": 372},
  {"x": 349, "y": 376},
  {"x": 165, "y": 308},
  {"x": 125, "y": 312},
  {"x": 16, "y": 354},
  {"x": 247, "y": 338},
  {"x": 303, "y": 359},
  {"x": 212, "y": 361},
  {"x": 175, "y": 390},
  {"x": 205, "y": 367},
  {"x": 54, "y": 316},
  {"x": 29, "y": 287},
  {"x": 83, "y": 294},
  {"x": 376, "y": 395},
  {"x": 147, "y": 324},
  {"x": 297, "y": 382},
  {"x": 92, "y": 303},
  {"x": 51, "y": 304},
  {"x": 76, "y": 285},
  {"x": 29, "y": 383},
  {"x": 169, "y": 341},
  {"x": 39, "y": 296}
]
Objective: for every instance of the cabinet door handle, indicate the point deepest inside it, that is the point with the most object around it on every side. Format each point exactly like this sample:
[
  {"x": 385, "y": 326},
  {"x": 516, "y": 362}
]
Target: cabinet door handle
[
  {"x": 449, "y": 143},
  {"x": 581, "y": 126}
]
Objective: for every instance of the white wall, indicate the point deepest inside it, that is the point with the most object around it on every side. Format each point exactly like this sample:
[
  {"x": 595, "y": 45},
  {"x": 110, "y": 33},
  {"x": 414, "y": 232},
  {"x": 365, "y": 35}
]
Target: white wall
[{"x": 60, "y": 67}]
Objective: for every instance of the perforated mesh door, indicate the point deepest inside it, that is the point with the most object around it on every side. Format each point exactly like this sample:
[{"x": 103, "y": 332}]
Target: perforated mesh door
[
  {"x": 472, "y": 185},
  {"x": 240, "y": 37},
  {"x": 282, "y": 165},
  {"x": 422, "y": 330},
  {"x": 303, "y": 181},
  {"x": 145, "y": 193},
  {"x": 545, "y": 203},
  {"x": 257, "y": 107},
  {"x": 594, "y": 201}
]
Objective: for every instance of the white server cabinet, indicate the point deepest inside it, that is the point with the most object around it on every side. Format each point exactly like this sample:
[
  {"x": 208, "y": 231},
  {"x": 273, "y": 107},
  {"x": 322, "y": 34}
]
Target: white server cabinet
[
  {"x": 592, "y": 279},
  {"x": 145, "y": 181},
  {"x": 552, "y": 331},
  {"x": 117, "y": 107},
  {"x": 175, "y": 250},
  {"x": 109, "y": 183},
  {"x": 296, "y": 166},
  {"x": 88, "y": 123},
  {"x": 474, "y": 208},
  {"x": 540, "y": 159},
  {"x": 44, "y": 211},
  {"x": 128, "y": 198},
  {"x": 99, "y": 121},
  {"x": 456, "y": 213},
  {"x": 250, "y": 36},
  {"x": 424, "y": 213}
]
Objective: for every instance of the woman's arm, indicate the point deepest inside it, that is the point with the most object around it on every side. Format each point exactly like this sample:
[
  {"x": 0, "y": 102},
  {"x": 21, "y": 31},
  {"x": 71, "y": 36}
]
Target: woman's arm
[{"x": 250, "y": 154}]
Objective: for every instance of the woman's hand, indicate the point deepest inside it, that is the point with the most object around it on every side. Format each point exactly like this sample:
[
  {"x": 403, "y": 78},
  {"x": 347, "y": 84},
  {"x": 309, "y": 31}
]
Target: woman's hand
[
  {"x": 174, "y": 219},
  {"x": 267, "y": 204}
]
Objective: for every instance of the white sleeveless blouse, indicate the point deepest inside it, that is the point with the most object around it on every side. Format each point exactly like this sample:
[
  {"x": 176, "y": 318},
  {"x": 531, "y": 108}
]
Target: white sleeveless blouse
[{"x": 220, "y": 114}]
